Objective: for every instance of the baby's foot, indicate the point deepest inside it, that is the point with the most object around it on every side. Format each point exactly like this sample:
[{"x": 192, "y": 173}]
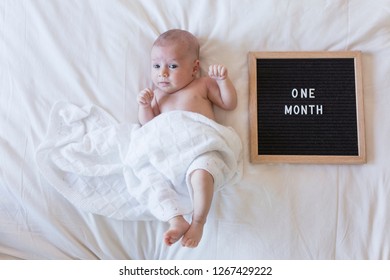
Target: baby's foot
[
  {"x": 177, "y": 227},
  {"x": 193, "y": 235}
]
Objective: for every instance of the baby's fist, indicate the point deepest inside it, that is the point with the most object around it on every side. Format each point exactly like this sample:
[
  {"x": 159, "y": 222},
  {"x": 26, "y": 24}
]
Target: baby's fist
[
  {"x": 218, "y": 72},
  {"x": 145, "y": 97}
]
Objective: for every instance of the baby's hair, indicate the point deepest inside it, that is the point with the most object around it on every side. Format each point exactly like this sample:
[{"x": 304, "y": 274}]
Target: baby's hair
[{"x": 182, "y": 36}]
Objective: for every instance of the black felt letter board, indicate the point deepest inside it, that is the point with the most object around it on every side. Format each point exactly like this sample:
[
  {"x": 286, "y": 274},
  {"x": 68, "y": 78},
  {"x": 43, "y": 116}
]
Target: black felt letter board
[{"x": 305, "y": 107}]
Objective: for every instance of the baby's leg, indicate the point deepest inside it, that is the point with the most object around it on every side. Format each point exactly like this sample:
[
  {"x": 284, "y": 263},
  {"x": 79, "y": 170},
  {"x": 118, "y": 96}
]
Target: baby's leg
[{"x": 203, "y": 187}]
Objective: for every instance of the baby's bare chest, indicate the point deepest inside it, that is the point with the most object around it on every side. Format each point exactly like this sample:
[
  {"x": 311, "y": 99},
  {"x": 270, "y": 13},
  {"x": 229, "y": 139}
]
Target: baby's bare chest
[{"x": 189, "y": 99}]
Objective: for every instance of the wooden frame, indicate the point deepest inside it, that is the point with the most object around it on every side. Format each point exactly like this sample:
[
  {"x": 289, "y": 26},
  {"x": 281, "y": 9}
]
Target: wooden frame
[{"x": 255, "y": 138}]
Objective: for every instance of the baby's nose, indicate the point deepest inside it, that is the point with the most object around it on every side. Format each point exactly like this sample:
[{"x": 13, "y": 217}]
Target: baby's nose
[{"x": 163, "y": 73}]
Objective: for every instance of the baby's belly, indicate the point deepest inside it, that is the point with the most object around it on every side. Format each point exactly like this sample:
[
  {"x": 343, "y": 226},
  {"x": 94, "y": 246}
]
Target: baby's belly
[{"x": 205, "y": 110}]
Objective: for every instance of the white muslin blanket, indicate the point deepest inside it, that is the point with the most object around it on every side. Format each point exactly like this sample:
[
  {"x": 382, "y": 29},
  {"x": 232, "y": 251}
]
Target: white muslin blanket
[{"x": 133, "y": 172}]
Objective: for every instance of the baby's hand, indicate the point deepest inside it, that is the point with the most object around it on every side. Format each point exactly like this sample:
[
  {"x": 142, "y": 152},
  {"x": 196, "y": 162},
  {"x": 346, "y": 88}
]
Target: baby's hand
[
  {"x": 145, "y": 97},
  {"x": 218, "y": 72}
]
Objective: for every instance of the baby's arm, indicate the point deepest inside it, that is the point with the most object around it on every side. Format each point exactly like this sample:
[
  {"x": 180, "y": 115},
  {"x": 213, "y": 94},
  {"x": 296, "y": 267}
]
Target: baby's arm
[
  {"x": 145, "y": 109},
  {"x": 222, "y": 91}
]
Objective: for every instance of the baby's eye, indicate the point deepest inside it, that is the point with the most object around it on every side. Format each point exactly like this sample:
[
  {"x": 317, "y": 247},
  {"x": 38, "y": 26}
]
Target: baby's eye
[
  {"x": 156, "y": 66},
  {"x": 172, "y": 66}
]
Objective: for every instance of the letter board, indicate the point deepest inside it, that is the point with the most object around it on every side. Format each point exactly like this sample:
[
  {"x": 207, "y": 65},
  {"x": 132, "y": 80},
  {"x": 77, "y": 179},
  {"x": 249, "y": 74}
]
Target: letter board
[{"x": 306, "y": 107}]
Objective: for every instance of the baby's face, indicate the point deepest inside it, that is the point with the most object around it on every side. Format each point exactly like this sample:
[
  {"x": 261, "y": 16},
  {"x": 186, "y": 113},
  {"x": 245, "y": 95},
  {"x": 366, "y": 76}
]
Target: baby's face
[{"x": 173, "y": 67}]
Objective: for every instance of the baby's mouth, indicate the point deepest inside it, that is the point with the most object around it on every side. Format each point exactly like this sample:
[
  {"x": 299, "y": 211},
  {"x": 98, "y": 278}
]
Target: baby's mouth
[{"x": 163, "y": 83}]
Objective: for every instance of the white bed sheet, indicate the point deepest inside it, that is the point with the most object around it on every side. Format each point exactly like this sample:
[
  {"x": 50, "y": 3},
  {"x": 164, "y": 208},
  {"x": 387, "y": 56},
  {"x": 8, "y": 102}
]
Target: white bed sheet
[{"x": 97, "y": 52}]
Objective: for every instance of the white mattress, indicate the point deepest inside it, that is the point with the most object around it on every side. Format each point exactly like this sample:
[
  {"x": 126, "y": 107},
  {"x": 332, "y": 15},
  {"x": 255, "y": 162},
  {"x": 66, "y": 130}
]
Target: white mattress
[{"x": 97, "y": 52}]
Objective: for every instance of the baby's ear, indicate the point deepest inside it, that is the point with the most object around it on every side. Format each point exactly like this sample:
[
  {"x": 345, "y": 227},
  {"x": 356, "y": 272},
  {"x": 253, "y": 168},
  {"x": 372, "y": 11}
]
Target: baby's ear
[{"x": 196, "y": 68}]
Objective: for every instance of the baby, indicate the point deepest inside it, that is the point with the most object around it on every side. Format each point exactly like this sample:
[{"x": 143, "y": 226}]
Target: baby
[{"x": 175, "y": 75}]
